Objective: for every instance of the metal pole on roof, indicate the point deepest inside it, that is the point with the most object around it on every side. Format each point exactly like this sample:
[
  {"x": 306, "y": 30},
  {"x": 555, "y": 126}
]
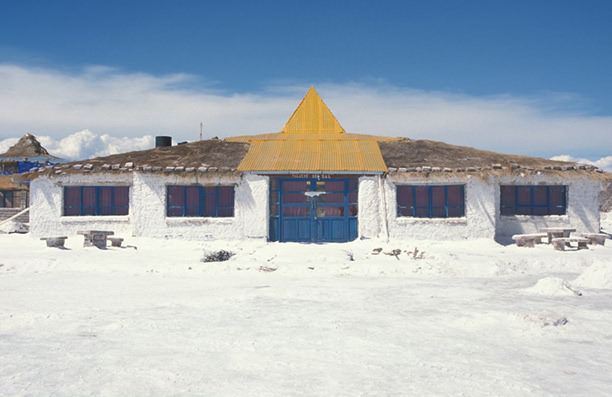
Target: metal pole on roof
[{"x": 201, "y": 128}]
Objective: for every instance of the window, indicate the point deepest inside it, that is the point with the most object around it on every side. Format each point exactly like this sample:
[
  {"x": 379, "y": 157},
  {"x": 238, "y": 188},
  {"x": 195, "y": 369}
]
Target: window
[
  {"x": 96, "y": 200},
  {"x": 533, "y": 200},
  {"x": 435, "y": 201},
  {"x": 194, "y": 200},
  {"x": 6, "y": 199}
]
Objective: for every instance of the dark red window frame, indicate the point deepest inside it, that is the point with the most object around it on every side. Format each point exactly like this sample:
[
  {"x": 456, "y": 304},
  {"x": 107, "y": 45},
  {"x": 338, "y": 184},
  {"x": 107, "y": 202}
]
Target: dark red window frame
[
  {"x": 538, "y": 200},
  {"x": 96, "y": 200},
  {"x": 200, "y": 201},
  {"x": 430, "y": 201}
]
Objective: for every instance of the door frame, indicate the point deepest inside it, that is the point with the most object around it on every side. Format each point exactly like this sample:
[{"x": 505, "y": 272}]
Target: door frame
[{"x": 316, "y": 226}]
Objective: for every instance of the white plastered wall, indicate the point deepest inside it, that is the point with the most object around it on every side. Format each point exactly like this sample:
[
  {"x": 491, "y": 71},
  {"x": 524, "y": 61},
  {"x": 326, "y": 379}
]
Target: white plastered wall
[
  {"x": 147, "y": 213},
  {"x": 478, "y": 222},
  {"x": 377, "y": 203},
  {"x": 369, "y": 208},
  {"x": 378, "y": 210},
  {"x": 582, "y": 206},
  {"x": 47, "y": 203},
  {"x": 377, "y": 207}
]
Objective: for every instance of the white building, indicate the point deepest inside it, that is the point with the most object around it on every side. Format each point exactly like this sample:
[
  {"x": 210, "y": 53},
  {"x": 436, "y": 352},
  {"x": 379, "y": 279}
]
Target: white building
[{"x": 313, "y": 182}]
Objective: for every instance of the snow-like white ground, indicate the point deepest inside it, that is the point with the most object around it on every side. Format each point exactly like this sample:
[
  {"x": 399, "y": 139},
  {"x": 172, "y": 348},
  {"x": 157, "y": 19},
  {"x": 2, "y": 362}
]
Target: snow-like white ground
[{"x": 468, "y": 318}]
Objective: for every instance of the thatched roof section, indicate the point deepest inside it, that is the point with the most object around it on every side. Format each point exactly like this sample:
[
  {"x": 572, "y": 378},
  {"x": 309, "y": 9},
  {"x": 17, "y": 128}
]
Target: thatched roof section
[
  {"x": 408, "y": 155},
  {"x": 7, "y": 183},
  {"x": 402, "y": 155},
  {"x": 28, "y": 147},
  {"x": 212, "y": 155}
]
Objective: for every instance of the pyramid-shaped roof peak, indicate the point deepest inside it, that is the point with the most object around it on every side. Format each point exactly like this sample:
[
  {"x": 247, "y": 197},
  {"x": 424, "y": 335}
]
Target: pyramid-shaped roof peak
[{"x": 312, "y": 116}]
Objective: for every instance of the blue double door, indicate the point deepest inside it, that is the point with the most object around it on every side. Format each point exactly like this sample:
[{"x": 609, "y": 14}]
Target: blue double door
[{"x": 313, "y": 209}]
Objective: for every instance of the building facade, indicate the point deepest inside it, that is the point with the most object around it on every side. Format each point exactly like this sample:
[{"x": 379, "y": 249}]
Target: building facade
[{"x": 313, "y": 182}]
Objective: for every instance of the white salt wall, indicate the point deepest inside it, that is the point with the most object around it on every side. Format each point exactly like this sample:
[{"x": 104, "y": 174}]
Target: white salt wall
[
  {"x": 47, "y": 202},
  {"x": 368, "y": 217},
  {"x": 479, "y": 220},
  {"x": 252, "y": 199},
  {"x": 582, "y": 206},
  {"x": 377, "y": 216},
  {"x": 147, "y": 214},
  {"x": 482, "y": 208}
]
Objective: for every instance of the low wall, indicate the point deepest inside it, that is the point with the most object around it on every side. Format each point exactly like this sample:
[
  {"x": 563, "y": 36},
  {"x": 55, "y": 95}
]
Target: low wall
[{"x": 47, "y": 202}]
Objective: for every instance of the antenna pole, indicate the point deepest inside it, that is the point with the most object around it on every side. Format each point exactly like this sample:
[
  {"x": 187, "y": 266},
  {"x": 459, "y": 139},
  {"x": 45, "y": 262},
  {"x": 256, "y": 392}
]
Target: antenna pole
[{"x": 201, "y": 128}]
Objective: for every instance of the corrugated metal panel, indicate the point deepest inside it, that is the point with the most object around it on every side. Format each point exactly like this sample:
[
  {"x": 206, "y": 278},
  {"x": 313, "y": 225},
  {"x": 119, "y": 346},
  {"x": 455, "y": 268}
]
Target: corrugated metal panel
[
  {"x": 313, "y": 155},
  {"x": 312, "y": 141},
  {"x": 275, "y": 136},
  {"x": 312, "y": 116}
]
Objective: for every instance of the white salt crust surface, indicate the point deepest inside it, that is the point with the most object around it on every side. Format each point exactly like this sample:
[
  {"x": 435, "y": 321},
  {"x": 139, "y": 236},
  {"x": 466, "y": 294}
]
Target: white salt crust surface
[
  {"x": 554, "y": 286},
  {"x": 598, "y": 275},
  {"x": 300, "y": 320}
]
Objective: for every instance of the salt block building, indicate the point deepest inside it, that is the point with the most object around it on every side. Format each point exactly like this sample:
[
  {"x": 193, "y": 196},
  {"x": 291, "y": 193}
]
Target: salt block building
[{"x": 314, "y": 182}]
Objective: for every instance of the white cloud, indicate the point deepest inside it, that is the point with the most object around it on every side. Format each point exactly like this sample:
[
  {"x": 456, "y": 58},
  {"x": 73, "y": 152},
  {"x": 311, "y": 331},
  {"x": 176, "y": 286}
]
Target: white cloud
[
  {"x": 605, "y": 163},
  {"x": 134, "y": 105},
  {"x": 86, "y": 144},
  {"x": 7, "y": 143}
]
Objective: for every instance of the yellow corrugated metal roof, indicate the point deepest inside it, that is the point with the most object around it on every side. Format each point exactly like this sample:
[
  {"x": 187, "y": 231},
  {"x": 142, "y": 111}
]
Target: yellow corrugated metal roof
[
  {"x": 276, "y": 136},
  {"x": 312, "y": 141},
  {"x": 313, "y": 156},
  {"x": 312, "y": 116}
]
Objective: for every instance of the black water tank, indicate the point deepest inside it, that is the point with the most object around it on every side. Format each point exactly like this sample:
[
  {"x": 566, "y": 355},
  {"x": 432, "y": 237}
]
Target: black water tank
[{"x": 163, "y": 141}]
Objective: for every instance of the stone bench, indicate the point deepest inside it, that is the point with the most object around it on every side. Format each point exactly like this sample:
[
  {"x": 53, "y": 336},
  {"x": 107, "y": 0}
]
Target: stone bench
[
  {"x": 95, "y": 238},
  {"x": 560, "y": 243},
  {"x": 55, "y": 242},
  {"x": 528, "y": 240},
  {"x": 116, "y": 241},
  {"x": 595, "y": 238}
]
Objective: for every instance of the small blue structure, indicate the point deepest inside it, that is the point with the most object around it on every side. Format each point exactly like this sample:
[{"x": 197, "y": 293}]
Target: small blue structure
[{"x": 26, "y": 154}]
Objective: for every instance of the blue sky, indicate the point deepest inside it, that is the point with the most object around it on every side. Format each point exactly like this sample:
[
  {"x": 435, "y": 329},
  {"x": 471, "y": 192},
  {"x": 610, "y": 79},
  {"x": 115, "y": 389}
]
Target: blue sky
[{"x": 556, "y": 55}]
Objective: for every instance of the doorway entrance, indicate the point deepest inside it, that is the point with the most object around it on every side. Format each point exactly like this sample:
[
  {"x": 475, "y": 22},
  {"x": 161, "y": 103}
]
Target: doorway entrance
[{"x": 313, "y": 209}]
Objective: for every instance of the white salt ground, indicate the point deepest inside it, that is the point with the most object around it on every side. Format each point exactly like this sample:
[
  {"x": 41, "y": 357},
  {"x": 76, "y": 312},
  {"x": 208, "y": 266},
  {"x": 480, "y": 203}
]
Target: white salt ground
[
  {"x": 10, "y": 226},
  {"x": 300, "y": 320},
  {"x": 553, "y": 286},
  {"x": 598, "y": 275}
]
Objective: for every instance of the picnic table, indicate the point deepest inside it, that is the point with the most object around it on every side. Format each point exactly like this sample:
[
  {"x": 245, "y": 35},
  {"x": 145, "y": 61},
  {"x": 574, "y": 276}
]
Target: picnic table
[
  {"x": 95, "y": 238},
  {"x": 557, "y": 232}
]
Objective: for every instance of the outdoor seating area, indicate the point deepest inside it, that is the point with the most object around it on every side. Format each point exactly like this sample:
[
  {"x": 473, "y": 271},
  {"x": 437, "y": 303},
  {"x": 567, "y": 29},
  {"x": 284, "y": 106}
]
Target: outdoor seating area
[
  {"x": 91, "y": 238},
  {"x": 95, "y": 238},
  {"x": 561, "y": 238},
  {"x": 557, "y": 232}
]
